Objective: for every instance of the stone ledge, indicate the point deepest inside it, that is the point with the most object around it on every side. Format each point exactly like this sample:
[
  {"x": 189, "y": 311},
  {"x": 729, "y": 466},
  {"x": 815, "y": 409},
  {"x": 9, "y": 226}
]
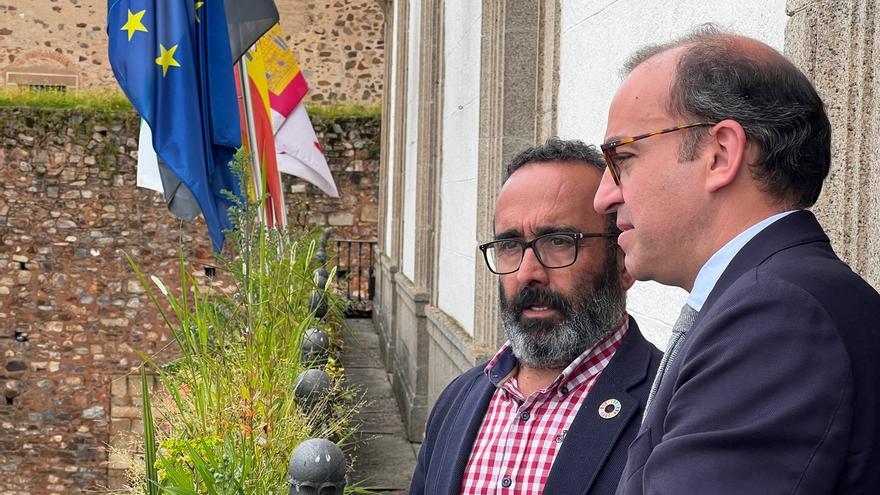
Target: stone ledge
[{"x": 455, "y": 342}]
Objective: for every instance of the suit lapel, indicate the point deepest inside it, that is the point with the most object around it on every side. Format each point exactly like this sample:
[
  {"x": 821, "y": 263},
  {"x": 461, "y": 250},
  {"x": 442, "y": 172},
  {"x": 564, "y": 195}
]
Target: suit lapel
[
  {"x": 471, "y": 410},
  {"x": 798, "y": 228},
  {"x": 590, "y": 438}
]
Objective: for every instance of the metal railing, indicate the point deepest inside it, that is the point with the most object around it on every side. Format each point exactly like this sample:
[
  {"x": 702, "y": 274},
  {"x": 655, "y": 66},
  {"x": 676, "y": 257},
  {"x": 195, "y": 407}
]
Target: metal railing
[{"x": 355, "y": 275}]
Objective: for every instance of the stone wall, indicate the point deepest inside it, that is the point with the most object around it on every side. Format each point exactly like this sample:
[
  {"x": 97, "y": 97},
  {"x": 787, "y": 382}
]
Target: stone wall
[
  {"x": 338, "y": 44},
  {"x": 837, "y": 44},
  {"x": 351, "y": 145},
  {"x": 75, "y": 319}
]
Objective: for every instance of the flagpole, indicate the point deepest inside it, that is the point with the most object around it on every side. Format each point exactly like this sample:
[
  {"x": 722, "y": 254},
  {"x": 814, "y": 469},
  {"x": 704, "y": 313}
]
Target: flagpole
[
  {"x": 256, "y": 165},
  {"x": 283, "y": 212}
]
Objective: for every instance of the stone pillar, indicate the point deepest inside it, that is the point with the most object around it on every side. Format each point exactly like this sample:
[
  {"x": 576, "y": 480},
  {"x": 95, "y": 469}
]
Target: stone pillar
[
  {"x": 549, "y": 23},
  {"x": 519, "y": 87},
  {"x": 409, "y": 361},
  {"x": 837, "y": 44},
  {"x": 393, "y": 163},
  {"x": 383, "y": 307}
]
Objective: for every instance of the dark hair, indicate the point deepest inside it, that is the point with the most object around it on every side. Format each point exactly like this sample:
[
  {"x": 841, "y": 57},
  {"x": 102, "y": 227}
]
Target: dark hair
[
  {"x": 557, "y": 150},
  {"x": 725, "y": 76},
  {"x": 565, "y": 151}
]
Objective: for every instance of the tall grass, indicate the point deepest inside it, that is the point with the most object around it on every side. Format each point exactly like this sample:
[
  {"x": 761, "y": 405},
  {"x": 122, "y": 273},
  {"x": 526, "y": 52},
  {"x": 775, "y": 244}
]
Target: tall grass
[{"x": 225, "y": 420}]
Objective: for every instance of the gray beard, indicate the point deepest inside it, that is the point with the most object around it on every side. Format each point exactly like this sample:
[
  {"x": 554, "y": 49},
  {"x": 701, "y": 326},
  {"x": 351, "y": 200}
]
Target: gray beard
[{"x": 586, "y": 320}]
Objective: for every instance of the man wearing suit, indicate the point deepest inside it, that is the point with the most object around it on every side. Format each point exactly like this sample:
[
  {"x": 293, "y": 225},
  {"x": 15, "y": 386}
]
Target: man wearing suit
[
  {"x": 555, "y": 409},
  {"x": 770, "y": 383}
]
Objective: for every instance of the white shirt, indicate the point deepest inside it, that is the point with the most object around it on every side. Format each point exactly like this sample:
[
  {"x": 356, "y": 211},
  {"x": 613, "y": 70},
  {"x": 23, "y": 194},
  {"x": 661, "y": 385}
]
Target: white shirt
[{"x": 712, "y": 270}]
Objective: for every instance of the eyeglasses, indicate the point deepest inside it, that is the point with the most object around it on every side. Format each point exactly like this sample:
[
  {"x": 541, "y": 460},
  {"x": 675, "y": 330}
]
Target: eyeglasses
[
  {"x": 612, "y": 158},
  {"x": 555, "y": 250}
]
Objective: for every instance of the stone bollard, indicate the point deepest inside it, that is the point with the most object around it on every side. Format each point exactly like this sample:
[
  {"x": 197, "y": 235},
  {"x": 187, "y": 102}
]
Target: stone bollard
[
  {"x": 310, "y": 389},
  {"x": 321, "y": 255},
  {"x": 317, "y": 467},
  {"x": 318, "y": 304},
  {"x": 315, "y": 347},
  {"x": 320, "y": 276}
]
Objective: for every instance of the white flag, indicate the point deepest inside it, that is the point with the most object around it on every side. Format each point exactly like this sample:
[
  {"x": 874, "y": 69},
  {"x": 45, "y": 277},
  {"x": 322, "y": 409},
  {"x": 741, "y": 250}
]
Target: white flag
[
  {"x": 299, "y": 154},
  {"x": 148, "y": 163},
  {"x": 154, "y": 174}
]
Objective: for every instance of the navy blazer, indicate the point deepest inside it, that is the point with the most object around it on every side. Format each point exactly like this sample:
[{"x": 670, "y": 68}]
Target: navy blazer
[
  {"x": 593, "y": 453},
  {"x": 776, "y": 388}
]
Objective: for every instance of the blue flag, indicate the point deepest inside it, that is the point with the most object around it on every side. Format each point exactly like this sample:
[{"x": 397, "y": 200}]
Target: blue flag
[{"x": 172, "y": 59}]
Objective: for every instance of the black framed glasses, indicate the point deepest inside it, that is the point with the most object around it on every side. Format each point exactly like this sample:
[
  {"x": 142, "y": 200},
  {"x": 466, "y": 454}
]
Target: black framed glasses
[
  {"x": 554, "y": 250},
  {"x": 612, "y": 160}
]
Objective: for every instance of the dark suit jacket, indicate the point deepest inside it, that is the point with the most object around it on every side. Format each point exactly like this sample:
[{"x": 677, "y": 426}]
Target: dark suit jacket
[
  {"x": 593, "y": 453},
  {"x": 776, "y": 388}
]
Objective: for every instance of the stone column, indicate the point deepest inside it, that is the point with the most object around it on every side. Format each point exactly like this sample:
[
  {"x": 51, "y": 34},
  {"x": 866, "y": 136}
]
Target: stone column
[
  {"x": 519, "y": 85},
  {"x": 549, "y": 23},
  {"x": 837, "y": 44},
  {"x": 413, "y": 296},
  {"x": 387, "y": 132},
  {"x": 430, "y": 135},
  {"x": 389, "y": 173}
]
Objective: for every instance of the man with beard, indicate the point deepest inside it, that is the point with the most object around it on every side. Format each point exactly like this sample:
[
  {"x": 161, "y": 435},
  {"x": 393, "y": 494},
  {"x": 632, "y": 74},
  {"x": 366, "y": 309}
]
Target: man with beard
[{"x": 555, "y": 409}]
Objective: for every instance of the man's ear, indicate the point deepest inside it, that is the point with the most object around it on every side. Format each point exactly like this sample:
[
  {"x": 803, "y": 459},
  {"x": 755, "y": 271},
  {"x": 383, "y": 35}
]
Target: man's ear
[
  {"x": 727, "y": 146},
  {"x": 626, "y": 280}
]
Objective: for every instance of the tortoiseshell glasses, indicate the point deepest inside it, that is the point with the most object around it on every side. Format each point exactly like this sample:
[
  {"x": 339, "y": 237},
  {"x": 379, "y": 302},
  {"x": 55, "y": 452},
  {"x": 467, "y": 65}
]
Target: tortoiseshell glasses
[{"x": 611, "y": 157}]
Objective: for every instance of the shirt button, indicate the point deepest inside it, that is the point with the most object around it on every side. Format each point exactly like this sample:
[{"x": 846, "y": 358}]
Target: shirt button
[
  {"x": 524, "y": 415},
  {"x": 564, "y": 390},
  {"x": 506, "y": 482}
]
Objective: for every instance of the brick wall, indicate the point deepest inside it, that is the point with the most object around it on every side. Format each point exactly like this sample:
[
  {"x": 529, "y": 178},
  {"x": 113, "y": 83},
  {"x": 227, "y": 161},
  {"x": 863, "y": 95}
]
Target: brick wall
[
  {"x": 74, "y": 318},
  {"x": 338, "y": 43}
]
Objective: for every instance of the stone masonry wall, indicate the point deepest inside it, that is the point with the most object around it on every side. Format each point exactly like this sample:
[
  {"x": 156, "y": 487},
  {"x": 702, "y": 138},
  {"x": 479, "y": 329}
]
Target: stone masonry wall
[
  {"x": 338, "y": 43},
  {"x": 74, "y": 319}
]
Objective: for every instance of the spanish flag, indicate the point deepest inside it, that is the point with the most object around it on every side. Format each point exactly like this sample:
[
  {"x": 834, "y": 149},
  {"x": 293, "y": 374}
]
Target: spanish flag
[
  {"x": 285, "y": 138},
  {"x": 258, "y": 91},
  {"x": 296, "y": 145}
]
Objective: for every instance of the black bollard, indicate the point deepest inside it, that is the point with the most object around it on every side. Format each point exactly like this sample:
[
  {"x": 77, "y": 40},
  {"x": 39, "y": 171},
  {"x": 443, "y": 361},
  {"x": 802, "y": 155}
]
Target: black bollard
[
  {"x": 310, "y": 389},
  {"x": 315, "y": 347},
  {"x": 318, "y": 304},
  {"x": 317, "y": 467}
]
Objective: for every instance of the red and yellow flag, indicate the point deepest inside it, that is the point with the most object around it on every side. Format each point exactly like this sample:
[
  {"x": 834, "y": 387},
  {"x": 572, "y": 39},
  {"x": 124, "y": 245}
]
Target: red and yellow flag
[
  {"x": 285, "y": 137},
  {"x": 286, "y": 84},
  {"x": 297, "y": 147},
  {"x": 265, "y": 140}
]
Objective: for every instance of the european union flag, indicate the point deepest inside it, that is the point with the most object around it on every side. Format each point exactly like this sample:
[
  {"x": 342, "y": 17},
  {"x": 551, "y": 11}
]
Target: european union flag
[{"x": 172, "y": 59}]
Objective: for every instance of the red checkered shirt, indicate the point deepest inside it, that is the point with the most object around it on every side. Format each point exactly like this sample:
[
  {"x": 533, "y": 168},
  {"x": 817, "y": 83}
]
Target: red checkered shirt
[{"x": 519, "y": 437}]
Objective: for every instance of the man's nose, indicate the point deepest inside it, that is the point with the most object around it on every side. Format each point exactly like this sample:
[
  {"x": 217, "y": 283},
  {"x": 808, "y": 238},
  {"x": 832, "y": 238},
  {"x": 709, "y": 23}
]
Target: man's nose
[
  {"x": 608, "y": 196},
  {"x": 531, "y": 271}
]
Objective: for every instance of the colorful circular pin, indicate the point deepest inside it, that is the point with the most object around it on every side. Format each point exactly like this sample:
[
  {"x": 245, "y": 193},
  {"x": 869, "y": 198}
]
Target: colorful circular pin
[{"x": 609, "y": 408}]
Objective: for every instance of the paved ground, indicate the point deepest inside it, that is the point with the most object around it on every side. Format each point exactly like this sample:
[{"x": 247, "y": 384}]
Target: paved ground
[{"x": 384, "y": 458}]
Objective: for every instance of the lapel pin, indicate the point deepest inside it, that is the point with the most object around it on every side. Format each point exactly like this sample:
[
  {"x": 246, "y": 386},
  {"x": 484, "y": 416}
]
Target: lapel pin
[{"x": 609, "y": 408}]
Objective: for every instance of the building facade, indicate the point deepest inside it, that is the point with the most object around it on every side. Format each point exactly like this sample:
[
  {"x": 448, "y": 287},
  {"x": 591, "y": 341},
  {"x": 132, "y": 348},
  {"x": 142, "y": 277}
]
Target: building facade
[{"x": 469, "y": 84}]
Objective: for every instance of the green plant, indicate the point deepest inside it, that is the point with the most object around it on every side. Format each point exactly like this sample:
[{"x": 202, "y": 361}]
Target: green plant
[
  {"x": 225, "y": 419},
  {"x": 337, "y": 111},
  {"x": 101, "y": 98}
]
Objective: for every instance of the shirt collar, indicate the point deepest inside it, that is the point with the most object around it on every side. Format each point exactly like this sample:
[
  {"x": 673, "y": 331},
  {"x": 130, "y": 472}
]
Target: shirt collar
[
  {"x": 712, "y": 270},
  {"x": 504, "y": 365}
]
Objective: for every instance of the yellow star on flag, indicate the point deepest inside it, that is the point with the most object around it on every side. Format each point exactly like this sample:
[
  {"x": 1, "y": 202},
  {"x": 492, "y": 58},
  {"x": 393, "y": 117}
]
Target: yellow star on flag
[
  {"x": 166, "y": 59},
  {"x": 198, "y": 6},
  {"x": 134, "y": 23}
]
